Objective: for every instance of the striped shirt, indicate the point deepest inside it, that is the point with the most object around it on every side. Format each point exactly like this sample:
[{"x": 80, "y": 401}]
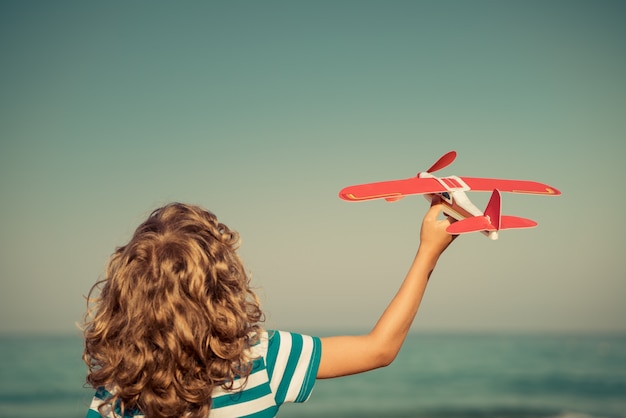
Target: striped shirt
[{"x": 284, "y": 370}]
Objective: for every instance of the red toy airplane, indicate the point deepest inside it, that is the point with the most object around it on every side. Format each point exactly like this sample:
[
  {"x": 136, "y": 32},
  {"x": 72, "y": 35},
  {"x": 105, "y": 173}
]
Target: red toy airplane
[{"x": 452, "y": 190}]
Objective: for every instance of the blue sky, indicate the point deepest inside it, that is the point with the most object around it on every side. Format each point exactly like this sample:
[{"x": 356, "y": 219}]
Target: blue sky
[{"x": 263, "y": 111}]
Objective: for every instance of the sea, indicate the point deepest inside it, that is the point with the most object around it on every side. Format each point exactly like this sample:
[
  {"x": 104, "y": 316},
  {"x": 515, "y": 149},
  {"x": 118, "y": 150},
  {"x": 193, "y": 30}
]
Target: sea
[{"x": 436, "y": 375}]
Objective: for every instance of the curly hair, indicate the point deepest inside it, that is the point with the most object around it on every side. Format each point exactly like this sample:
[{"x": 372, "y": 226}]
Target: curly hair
[{"x": 174, "y": 318}]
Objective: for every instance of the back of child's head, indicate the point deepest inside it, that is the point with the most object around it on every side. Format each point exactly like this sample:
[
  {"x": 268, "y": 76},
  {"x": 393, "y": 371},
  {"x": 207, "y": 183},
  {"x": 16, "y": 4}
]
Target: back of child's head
[{"x": 174, "y": 317}]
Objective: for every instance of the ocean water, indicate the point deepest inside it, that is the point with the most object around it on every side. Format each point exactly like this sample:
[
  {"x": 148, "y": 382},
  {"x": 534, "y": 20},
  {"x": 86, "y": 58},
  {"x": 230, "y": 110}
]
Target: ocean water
[{"x": 435, "y": 375}]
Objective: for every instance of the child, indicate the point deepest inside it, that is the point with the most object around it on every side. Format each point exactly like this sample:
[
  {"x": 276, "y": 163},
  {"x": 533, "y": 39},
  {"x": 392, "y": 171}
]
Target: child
[{"x": 175, "y": 330}]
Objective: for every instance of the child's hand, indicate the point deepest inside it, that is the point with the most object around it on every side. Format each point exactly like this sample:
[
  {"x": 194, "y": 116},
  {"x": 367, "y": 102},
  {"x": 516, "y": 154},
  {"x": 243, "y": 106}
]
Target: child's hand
[{"x": 433, "y": 236}]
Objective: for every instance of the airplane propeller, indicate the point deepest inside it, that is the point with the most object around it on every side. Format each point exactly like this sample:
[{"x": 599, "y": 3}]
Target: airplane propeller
[{"x": 442, "y": 162}]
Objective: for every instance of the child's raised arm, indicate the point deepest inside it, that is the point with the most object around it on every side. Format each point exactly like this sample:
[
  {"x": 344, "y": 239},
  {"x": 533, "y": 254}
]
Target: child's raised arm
[{"x": 345, "y": 355}]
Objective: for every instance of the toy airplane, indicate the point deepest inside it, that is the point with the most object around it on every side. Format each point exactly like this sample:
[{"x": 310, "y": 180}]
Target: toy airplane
[{"x": 451, "y": 191}]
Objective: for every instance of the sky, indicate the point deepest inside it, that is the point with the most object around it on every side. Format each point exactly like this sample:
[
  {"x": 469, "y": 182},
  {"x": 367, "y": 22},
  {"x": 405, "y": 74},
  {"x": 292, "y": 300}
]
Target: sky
[{"x": 262, "y": 111}]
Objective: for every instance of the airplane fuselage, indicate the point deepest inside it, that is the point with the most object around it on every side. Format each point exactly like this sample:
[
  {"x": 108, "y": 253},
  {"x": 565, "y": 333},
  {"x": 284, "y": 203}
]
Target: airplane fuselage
[{"x": 457, "y": 204}]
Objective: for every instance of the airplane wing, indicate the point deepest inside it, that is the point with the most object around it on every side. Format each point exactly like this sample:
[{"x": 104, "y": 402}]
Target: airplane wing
[
  {"x": 473, "y": 224},
  {"x": 482, "y": 223},
  {"x": 478, "y": 184},
  {"x": 391, "y": 190}
]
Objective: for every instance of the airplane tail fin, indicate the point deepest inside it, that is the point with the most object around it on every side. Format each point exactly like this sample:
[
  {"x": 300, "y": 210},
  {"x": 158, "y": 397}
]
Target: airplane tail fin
[
  {"x": 492, "y": 220},
  {"x": 493, "y": 211}
]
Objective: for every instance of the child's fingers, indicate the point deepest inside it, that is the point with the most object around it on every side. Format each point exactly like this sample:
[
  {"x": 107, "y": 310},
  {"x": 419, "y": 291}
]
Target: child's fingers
[
  {"x": 433, "y": 212},
  {"x": 435, "y": 203}
]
